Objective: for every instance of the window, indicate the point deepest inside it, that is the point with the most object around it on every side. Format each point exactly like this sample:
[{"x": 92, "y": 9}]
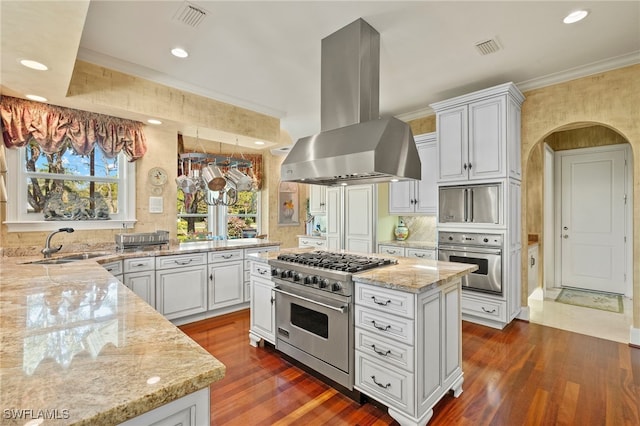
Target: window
[
  {"x": 199, "y": 220},
  {"x": 92, "y": 191}
]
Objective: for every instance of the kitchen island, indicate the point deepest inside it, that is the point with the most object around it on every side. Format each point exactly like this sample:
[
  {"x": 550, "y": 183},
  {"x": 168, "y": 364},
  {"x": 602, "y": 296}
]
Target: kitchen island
[{"x": 79, "y": 347}]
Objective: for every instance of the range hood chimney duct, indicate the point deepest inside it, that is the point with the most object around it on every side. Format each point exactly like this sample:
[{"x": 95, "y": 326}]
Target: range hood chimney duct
[{"x": 354, "y": 145}]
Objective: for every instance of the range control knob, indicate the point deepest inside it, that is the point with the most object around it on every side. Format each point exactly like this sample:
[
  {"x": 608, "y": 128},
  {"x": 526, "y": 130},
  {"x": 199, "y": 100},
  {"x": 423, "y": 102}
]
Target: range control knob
[
  {"x": 274, "y": 272},
  {"x": 307, "y": 280},
  {"x": 296, "y": 276},
  {"x": 314, "y": 279},
  {"x": 285, "y": 274},
  {"x": 337, "y": 286},
  {"x": 323, "y": 283}
]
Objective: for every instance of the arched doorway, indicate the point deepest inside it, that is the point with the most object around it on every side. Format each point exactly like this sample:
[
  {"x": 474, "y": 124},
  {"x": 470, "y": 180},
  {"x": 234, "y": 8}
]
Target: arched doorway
[{"x": 544, "y": 218}]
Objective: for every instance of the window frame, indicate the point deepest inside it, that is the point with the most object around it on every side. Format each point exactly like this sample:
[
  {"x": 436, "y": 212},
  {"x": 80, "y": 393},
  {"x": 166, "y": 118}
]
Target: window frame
[{"x": 21, "y": 221}]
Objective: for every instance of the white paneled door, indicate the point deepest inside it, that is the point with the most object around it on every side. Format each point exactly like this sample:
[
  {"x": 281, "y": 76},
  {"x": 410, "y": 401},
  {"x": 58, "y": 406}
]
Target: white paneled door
[{"x": 592, "y": 239}]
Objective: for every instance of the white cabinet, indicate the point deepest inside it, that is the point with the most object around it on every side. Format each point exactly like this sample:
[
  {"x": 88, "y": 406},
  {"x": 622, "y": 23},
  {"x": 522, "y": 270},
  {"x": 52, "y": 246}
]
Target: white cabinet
[
  {"x": 319, "y": 243},
  {"x": 226, "y": 278},
  {"x": 479, "y": 135},
  {"x": 408, "y": 348},
  {"x": 140, "y": 276},
  {"x": 114, "y": 268},
  {"x": 247, "y": 266},
  {"x": 181, "y": 285},
  {"x": 417, "y": 253},
  {"x": 190, "y": 410},
  {"x": 418, "y": 197},
  {"x": 262, "y": 314},
  {"x": 532, "y": 273},
  {"x": 317, "y": 199},
  {"x": 351, "y": 218}
]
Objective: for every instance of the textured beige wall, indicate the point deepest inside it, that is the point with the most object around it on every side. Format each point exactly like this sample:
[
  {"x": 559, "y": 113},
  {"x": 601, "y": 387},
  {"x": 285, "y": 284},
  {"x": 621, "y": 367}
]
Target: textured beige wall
[{"x": 610, "y": 99}]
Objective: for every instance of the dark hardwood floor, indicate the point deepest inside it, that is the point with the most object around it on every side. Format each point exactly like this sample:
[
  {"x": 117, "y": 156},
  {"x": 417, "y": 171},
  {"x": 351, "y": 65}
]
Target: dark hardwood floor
[{"x": 526, "y": 374}]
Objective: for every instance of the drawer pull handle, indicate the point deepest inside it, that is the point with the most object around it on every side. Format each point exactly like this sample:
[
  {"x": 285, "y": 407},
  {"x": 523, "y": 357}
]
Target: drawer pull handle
[
  {"x": 420, "y": 255},
  {"x": 227, "y": 256},
  {"x": 140, "y": 264},
  {"x": 183, "y": 263},
  {"x": 492, "y": 311},
  {"x": 380, "y": 303},
  {"x": 385, "y": 328},
  {"x": 262, "y": 271},
  {"x": 387, "y": 386},
  {"x": 319, "y": 243},
  {"x": 380, "y": 352},
  {"x": 110, "y": 269}
]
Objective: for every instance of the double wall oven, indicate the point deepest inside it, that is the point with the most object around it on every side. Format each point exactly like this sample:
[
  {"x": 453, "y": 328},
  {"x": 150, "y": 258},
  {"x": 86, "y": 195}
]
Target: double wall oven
[
  {"x": 314, "y": 309},
  {"x": 483, "y": 250}
]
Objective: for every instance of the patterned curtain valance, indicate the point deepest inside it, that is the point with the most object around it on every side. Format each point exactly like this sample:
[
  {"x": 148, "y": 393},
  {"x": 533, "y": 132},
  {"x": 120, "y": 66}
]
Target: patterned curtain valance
[{"x": 53, "y": 127}]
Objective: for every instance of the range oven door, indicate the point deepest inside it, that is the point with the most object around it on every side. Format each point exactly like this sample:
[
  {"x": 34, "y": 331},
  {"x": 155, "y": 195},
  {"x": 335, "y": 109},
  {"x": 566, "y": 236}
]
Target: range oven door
[
  {"x": 312, "y": 327},
  {"x": 488, "y": 277}
]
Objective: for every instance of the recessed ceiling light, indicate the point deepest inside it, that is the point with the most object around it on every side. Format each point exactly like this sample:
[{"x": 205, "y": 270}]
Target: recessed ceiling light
[
  {"x": 36, "y": 98},
  {"x": 154, "y": 121},
  {"x": 180, "y": 53},
  {"x": 576, "y": 16},
  {"x": 34, "y": 65},
  {"x": 259, "y": 143}
]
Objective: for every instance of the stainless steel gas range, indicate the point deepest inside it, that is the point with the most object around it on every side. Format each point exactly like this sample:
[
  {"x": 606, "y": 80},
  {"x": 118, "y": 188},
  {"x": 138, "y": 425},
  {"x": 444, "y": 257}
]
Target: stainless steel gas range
[{"x": 314, "y": 309}]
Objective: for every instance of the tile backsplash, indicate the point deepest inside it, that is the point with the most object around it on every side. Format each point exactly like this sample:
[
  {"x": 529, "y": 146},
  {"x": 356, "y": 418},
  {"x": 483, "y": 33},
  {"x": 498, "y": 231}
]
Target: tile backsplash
[{"x": 421, "y": 228}]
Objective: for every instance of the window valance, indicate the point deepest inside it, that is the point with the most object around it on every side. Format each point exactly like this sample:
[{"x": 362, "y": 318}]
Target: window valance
[{"x": 53, "y": 127}]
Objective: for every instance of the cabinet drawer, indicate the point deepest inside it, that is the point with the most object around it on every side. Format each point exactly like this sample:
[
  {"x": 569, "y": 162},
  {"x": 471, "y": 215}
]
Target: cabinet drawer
[
  {"x": 492, "y": 309},
  {"x": 385, "y": 300},
  {"x": 166, "y": 262},
  {"x": 389, "y": 326},
  {"x": 421, "y": 254},
  {"x": 387, "y": 351},
  {"x": 114, "y": 268},
  {"x": 260, "y": 270},
  {"x": 225, "y": 255},
  {"x": 263, "y": 249},
  {"x": 389, "y": 385},
  {"x": 392, "y": 250},
  {"x": 139, "y": 264},
  {"x": 312, "y": 242}
]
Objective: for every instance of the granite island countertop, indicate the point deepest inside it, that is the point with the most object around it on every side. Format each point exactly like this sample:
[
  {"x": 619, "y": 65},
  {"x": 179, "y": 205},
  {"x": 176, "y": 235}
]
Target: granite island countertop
[
  {"x": 410, "y": 275},
  {"x": 79, "y": 346}
]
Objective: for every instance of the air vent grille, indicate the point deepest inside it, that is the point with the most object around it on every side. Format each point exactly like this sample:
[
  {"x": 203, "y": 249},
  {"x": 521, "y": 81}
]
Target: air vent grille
[
  {"x": 190, "y": 14},
  {"x": 486, "y": 47}
]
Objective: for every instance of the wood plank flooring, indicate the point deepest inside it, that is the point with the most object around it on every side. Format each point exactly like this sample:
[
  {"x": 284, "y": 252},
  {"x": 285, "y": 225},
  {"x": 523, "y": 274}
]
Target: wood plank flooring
[{"x": 526, "y": 374}]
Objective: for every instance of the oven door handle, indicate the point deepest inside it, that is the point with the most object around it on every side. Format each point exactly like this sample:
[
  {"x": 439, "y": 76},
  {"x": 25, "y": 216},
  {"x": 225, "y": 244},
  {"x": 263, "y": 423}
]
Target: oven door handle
[
  {"x": 469, "y": 250},
  {"x": 342, "y": 309}
]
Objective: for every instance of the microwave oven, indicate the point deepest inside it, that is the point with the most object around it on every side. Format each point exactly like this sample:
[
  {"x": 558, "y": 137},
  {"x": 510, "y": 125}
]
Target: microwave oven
[{"x": 469, "y": 204}]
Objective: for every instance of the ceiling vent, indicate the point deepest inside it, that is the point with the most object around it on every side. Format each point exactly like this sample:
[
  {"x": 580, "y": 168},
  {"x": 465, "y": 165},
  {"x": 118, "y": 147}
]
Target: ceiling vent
[
  {"x": 190, "y": 14},
  {"x": 486, "y": 47}
]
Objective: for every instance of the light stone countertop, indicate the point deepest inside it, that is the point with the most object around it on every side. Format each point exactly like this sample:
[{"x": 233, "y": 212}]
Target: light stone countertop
[
  {"x": 78, "y": 345},
  {"x": 425, "y": 245},
  {"x": 410, "y": 275}
]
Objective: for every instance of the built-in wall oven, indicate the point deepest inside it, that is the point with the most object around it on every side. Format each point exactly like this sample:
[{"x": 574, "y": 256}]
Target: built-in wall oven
[
  {"x": 314, "y": 309},
  {"x": 483, "y": 250}
]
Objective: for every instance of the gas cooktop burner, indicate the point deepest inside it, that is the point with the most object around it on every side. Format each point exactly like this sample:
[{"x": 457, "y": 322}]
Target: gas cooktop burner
[{"x": 335, "y": 261}]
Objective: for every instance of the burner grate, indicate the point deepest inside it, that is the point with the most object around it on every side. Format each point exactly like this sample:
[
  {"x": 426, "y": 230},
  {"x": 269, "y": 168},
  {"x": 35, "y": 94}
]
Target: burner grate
[{"x": 336, "y": 261}]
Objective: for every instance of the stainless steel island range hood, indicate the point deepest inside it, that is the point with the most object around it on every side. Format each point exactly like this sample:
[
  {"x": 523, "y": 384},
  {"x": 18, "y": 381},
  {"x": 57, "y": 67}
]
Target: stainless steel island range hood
[{"x": 354, "y": 145}]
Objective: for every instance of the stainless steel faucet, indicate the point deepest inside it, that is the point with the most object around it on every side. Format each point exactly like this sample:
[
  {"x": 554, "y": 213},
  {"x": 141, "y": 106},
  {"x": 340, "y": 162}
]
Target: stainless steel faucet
[{"x": 47, "y": 250}]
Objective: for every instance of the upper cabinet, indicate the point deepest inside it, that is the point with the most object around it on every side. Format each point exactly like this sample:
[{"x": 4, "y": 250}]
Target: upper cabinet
[
  {"x": 317, "y": 200},
  {"x": 479, "y": 135},
  {"x": 418, "y": 197}
]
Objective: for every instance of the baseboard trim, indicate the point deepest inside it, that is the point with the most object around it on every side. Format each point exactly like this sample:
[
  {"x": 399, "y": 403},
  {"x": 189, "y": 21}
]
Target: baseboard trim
[
  {"x": 524, "y": 314},
  {"x": 634, "y": 337}
]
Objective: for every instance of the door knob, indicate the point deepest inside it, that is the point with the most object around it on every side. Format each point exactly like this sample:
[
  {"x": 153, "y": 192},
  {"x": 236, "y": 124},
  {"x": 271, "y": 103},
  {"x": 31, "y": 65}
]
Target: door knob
[
  {"x": 565, "y": 236},
  {"x": 565, "y": 228}
]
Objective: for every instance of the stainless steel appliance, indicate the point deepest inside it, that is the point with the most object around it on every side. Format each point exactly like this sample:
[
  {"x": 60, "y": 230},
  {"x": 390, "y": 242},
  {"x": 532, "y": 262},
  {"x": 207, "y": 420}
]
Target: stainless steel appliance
[
  {"x": 484, "y": 250},
  {"x": 469, "y": 204},
  {"x": 314, "y": 309},
  {"x": 355, "y": 145}
]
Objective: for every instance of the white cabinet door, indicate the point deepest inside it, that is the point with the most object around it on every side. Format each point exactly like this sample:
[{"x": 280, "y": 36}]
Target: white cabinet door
[
  {"x": 487, "y": 138},
  {"x": 226, "y": 282},
  {"x": 143, "y": 284},
  {"x": 317, "y": 199},
  {"x": 334, "y": 218},
  {"x": 262, "y": 310},
  {"x": 453, "y": 144},
  {"x": 426, "y": 190},
  {"x": 359, "y": 218},
  {"x": 181, "y": 291},
  {"x": 401, "y": 197}
]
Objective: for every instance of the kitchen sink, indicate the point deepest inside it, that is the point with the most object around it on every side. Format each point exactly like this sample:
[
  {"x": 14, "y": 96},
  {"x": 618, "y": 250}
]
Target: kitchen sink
[{"x": 68, "y": 259}]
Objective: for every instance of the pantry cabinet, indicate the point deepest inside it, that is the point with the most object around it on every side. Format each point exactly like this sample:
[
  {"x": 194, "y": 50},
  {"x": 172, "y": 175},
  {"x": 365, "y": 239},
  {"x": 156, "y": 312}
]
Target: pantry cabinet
[
  {"x": 479, "y": 135},
  {"x": 418, "y": 197}
]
